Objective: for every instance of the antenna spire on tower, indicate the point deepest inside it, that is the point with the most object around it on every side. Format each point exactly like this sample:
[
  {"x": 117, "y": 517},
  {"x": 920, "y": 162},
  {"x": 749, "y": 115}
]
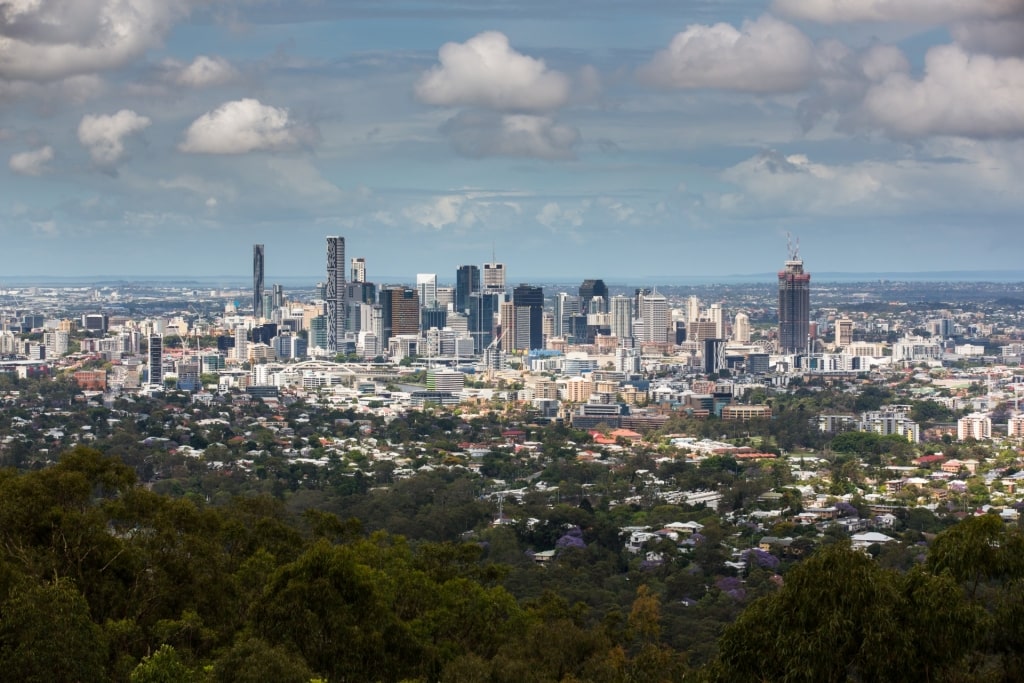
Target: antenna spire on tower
[{"x": 792, "y": 247}]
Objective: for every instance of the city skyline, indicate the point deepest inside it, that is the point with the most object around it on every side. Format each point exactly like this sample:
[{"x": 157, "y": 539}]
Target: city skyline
[{"x": 548, "y": 138}]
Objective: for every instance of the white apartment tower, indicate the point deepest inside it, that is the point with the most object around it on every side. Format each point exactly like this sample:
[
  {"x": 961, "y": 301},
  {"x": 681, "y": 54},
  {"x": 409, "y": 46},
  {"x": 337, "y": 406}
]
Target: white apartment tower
[
  {"x": 976, "y": 426},
  {"x": 359, "y": 269},
  {"x": 241, "y": 344}
]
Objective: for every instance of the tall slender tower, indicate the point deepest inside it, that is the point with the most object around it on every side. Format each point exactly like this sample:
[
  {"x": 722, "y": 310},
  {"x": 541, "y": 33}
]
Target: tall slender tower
[
  {"x": 257, "y": 281},
  {"x": 336, "y": 291},
  {"x": 794, "y": 304},
  {"x": 622, "y": 318},
  {"x": 156, "y": 359},
  {"x": 467, "y": 283},
  {"x": 528, "y": 309},
  {"x": 359, "y": 269}
]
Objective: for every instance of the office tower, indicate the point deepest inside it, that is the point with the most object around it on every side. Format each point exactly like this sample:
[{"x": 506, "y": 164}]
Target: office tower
[
  {"x": 700, "y": 330},
  {"x": 426, "y": 285},
  {"x": 507, "y": 319},
  {"x": 257, "y": 281},
  {"x": 467, "y": 282},
  {"x": 318, "y": 331},
  {"x": 567, "y": 307},
  {"x": 692, "y": 309},
  {"x": 435, "y": 317},
  {"x": 844, "y": 332},
  {"x": 715, "y": 315},
  {"x": 622, "y": 317},
  {"x": 400, "y": 313},
  {"x": 156, "y": 359},
  {"x": 638, "y": 297},
  {"x": 590, "y": 289},
  {"x": 95, "y": 322},
  {"x": 654, "y": 314},
  {"x": 446, "y": 298},
  {"x": 278, "y": 297},
  {"x": 359, "y": 269},
  {"x": 714, "y": 355},
  {"x": 528, "y": 302},
  {"x": 494, "y": 278},
  {"x": 794, "y": 305},
  {"x": 741, "y": 328},
  {"x": 335, "y": 294},
  {"x": 482, "y": 308}
]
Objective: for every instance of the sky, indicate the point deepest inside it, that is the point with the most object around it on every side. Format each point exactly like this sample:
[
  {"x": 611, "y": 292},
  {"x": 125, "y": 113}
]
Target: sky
[{"x": 611, "y": 139}]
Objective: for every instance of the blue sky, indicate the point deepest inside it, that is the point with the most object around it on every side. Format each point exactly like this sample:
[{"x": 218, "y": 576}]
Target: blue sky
[{"x": 599, "y": 139}]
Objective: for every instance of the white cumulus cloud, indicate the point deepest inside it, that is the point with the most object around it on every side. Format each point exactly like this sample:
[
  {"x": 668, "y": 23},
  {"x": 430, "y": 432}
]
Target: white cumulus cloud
[
  {"x": 486, "y": 72},
  {"x": 484, "y": 134},
  {"x": 205, "y": 72},
  {"x": 959, "y": 94},
  {"x": 242, "y": 126},
  {"x": 918, "y": 11},
  {"x": 762, "y": 56},
  {"x": 553, "y": 215},
  {"x": 103, "y": 135},
  {"x": 32, "y": 162},
  {"x": 53, "y": 39},
  {"x": 442, "y": 211}
]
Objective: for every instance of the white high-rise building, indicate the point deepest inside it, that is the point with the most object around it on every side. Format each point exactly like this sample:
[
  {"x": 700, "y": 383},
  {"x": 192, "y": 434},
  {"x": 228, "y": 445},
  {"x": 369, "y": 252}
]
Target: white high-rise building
[
  {"x": 359, "y": 269},
  {"x": 494, "y": 278},
  {"x": 622, "y": 317},
  {"x": 654, "y": 313},
  {"x": 741, "y": 328},
  {"x": 426, "y": 284},
  {"x": 56, "y": 342},
  {"x": 692, "y": 309},
  {"x": 974, "y": 426},
  {"x": 715, "y": 315},
  {"x": 241, "y": 344}
]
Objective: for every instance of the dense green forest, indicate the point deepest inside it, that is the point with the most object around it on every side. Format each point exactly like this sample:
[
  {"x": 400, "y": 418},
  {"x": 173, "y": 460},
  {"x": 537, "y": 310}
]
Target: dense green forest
[{"x": 103, "y": 579}]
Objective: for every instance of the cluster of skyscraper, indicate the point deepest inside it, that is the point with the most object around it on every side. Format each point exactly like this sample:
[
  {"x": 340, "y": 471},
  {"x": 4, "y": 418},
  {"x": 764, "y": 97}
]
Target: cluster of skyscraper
[{"x": 357, "y": 317}]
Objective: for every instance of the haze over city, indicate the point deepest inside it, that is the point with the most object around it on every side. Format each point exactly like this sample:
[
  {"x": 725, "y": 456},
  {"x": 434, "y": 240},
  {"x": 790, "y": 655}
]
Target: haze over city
[{"x": 165, "y": 136}]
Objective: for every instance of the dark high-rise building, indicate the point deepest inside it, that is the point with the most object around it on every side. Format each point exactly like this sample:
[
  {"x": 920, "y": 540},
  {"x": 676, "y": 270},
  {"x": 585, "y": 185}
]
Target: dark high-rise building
[
  {"x": 528, "y": 307},
  {"x": 467, "y": 282},
  {"x": 278, "y": 297},
  {"x": 264, "y": 334},
  {"x": 588, "y": 290},
  {"x": 481, "y": 308},
  {"x": 336, "y": 291},
  {"x": 156, "y": 359},
  {"x": 434, "y": 316},
  {"x": 714, "y": 355},
  {"x": 400, "y": 312},
  {"x": 794, "y": 305},
  {"x": 257, "y": 281}
]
